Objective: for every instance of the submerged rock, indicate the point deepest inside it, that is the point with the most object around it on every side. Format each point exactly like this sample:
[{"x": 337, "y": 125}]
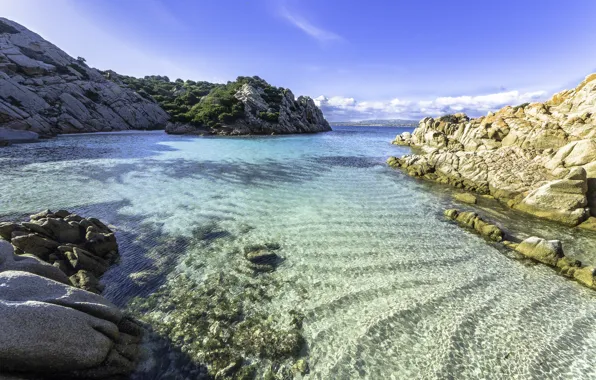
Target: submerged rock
[
  {"x": 262, "y": 258},
  {"x": 222, "y": 323}
]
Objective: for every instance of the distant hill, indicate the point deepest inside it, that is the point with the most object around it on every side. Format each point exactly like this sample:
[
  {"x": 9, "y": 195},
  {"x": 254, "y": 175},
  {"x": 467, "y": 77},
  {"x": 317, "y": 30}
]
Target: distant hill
[{"x": 376, "y": 123}]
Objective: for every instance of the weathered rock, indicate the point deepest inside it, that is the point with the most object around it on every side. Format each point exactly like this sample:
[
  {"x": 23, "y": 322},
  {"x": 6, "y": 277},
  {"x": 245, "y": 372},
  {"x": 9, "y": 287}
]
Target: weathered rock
[
  {"x": 86, "y": 280},
  {"x": 561, "y": 200},
  {"x": 50, "y": 328},
  {"x": 6, "y": 230},
  {"x": 84, "y": 260},
  {"x": 546, "y": 251},
  {"x": 82, "y": 249},
  {"x": 35, "y": 245},
  {"x": 585, "y": 276},
  {"x": 530, "y": 156},
  {"x": 10, "y": 261},
  {"x": 589, "y": 224},
  {"x": 465, "y": 197},
  {"x": 61, "y": 230},
  {"x": 45, "y": 91},
  {"x": 100, "y": 243},
  {"x": 472, "y": 220}
]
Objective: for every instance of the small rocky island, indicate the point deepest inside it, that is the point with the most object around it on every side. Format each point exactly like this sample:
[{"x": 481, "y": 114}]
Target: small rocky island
[
  {"x": 45, "y": 92},
  {"x": 538, "y": 158},
  {"x": 246, "y": 106}
]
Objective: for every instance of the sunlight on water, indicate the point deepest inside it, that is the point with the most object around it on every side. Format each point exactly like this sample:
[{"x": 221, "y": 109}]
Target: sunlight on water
[{"x": 388, "y": 288}]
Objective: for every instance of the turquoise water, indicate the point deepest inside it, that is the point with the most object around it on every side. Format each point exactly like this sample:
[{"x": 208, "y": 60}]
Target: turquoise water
[{"x": 388, "y": 288}]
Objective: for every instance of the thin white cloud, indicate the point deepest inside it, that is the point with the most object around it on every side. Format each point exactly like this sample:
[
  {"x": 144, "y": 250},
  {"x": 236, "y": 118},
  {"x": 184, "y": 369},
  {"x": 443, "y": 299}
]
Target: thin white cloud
[
  {"x": 339, "y": 108},
  {"x": 307, "y": 27}
]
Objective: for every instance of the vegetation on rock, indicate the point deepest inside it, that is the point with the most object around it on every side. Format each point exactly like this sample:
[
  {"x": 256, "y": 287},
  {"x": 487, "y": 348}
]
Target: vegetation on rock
[{"x": 204, "y": 104}]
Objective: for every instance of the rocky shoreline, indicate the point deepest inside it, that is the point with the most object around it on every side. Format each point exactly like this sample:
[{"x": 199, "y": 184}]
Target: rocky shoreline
[
  {"x": 46, "y": 92},
  {"x": 548, "y": 252},
  {"x": 56, "y": 325},
  {"x": 537, "y": 158}
]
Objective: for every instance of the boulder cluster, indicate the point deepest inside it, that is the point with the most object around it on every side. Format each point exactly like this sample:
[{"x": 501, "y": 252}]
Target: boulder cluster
[
  {"x": 539, "y": 158},
  {"x": 81, "y": 248},
  {"x": 549, "y": 252},
  {"x": 52, "y": 326}
]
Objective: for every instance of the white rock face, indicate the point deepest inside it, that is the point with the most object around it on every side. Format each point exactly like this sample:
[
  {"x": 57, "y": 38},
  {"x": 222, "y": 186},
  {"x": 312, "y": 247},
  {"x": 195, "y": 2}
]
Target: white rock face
[
  {"x": 44, "y": 90},
  {"x": 522, "y": 155}
]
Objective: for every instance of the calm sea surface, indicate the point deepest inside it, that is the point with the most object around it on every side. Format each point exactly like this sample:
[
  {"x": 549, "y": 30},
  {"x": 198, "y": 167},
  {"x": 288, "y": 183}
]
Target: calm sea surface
[{"x": 389, "y": 289}]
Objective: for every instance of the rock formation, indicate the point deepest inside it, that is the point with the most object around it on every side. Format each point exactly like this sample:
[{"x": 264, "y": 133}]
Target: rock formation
[
  {"x": 539, "y": 158},
  {"x": 548, "y": 252},
  {"x": 44, "y": 90},
  {"x": 51, "y": 329},
  {"x": 82, "y": 249},
  {"x": 259, "y": 116}
]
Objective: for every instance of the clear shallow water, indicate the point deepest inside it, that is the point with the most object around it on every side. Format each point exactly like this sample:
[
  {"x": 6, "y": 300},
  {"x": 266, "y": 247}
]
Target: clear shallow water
[{"x": 388, "y": 287}]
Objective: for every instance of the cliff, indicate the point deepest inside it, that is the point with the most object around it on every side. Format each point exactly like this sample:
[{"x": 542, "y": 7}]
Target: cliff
[
  {"x": 44, "y": 90},
  {"x": 539, "y": 158}
]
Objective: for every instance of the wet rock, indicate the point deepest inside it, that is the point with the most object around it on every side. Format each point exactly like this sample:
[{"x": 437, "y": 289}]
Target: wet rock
[
  {"x": 472, "y": 220},
  {"x": 35, "y": 245},
  {"x": 221, "y": 321},
  {"x": 262, "y": 258},
  {"x": 585, "y": 276},
  {"x": 8, "y": 136},
  {"x": 545, "y": 251},
  {"x": 589, "y": 224},
  {"x": 465, "y": 197},
  {"x": 100, "y": 243},
  {"x": 11, "y": 262},
  {"x": 86, "y": 280}
]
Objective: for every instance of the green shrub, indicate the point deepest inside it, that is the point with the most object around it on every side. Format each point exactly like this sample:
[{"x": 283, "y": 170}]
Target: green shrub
[
  {"x": 269, "y": 116},
  {"x": 204, "y": 104}
]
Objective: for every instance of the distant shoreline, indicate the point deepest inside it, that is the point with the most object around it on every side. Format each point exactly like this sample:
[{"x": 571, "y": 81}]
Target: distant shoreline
[
  {"x": 373, "y": 125},
  {"x": 404, "y": 123}
]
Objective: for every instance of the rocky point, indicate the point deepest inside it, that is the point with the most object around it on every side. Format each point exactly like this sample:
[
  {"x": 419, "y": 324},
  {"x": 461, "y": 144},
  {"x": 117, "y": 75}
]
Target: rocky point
[{"x": 538, "y": 158}]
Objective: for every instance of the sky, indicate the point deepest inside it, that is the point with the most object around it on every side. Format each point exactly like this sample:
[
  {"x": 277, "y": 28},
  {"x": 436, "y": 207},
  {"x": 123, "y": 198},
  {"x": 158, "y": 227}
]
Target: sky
[{"x": 359, "y": 60}]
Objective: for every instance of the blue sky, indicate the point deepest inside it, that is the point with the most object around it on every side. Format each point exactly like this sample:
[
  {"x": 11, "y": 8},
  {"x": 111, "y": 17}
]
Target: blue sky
[{"x": 359, "y": 60}]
